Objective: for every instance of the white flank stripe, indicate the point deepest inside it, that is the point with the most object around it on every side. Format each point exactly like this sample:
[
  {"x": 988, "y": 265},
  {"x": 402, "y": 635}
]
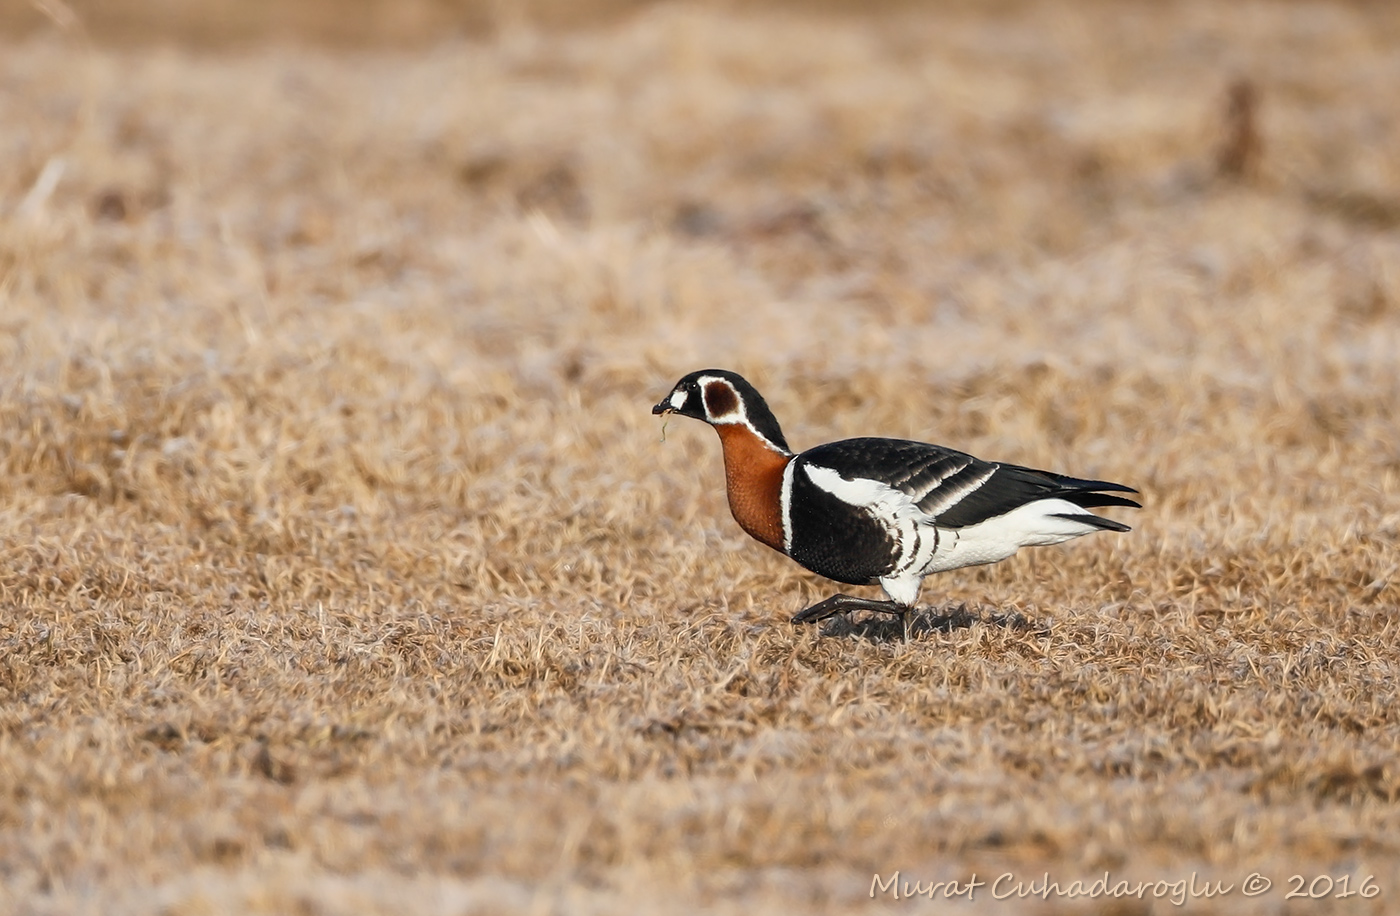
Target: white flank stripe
[
  {"x": 885, "y": 500},
  {"x": 915, "y": 538},
  {"x": 1036, "y": 524}
]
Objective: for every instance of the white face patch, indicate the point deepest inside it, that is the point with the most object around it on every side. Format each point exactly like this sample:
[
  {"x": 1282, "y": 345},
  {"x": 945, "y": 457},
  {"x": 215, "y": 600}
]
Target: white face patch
[{"x": 677, "y": 400}]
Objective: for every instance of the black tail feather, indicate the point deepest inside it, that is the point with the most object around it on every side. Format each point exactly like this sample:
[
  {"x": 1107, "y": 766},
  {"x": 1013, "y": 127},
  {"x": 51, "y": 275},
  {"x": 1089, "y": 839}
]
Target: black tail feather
[
  {"x": 1098, "y": 500},
  {"x": 1075, "y": 483},
  {"x": 1097, "y": 521},
  {"x": 1013, "y": 486},
  {"x": 1087, "y": 493}
]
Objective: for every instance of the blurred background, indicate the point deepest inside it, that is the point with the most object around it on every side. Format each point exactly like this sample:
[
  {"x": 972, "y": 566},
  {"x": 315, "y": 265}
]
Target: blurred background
[{"x": 358, "y": 22}]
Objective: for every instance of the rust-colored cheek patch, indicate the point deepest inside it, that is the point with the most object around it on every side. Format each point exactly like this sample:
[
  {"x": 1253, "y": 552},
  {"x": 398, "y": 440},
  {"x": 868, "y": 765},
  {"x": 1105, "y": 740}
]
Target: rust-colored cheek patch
[
  {"x": 720, "y": 399},
  {"x": 753, "y": 473}
]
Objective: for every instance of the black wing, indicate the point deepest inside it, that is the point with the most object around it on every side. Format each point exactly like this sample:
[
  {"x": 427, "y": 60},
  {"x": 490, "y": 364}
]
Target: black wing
[{"x": 956, "y": 489}]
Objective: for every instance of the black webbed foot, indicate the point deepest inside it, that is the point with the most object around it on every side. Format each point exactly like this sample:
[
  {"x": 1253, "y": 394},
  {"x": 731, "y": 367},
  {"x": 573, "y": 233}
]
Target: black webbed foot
[{"x": 842, "y": 604}]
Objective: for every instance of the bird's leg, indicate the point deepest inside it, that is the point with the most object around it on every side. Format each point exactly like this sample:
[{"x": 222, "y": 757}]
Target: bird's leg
[{"x": 838, "y": 604}]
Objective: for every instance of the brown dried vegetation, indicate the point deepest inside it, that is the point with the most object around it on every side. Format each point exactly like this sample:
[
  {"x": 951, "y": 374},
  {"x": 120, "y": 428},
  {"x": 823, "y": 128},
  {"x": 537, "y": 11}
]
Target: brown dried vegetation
[{"x": 343, "y": 568}]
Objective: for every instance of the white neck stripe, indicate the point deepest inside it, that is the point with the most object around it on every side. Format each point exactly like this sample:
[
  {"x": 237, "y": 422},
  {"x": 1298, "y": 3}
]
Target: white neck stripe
[
  {"x": 740, "y": 416},
  {"x": 785, "y": 502}
]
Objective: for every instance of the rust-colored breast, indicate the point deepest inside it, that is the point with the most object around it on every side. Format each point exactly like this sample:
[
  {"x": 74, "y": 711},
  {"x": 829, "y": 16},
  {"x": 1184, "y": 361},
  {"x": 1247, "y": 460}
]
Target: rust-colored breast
[{"x": 753, "y": 473}]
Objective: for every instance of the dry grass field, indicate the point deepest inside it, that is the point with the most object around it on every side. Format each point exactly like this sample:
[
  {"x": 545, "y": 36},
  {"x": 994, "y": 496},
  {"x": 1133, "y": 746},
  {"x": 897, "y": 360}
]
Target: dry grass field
[{"x": 344, "y": 570}]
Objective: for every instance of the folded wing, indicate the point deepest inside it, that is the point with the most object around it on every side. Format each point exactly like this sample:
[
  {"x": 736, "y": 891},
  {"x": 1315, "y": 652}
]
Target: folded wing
[{"x": 957, "y": 490}]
